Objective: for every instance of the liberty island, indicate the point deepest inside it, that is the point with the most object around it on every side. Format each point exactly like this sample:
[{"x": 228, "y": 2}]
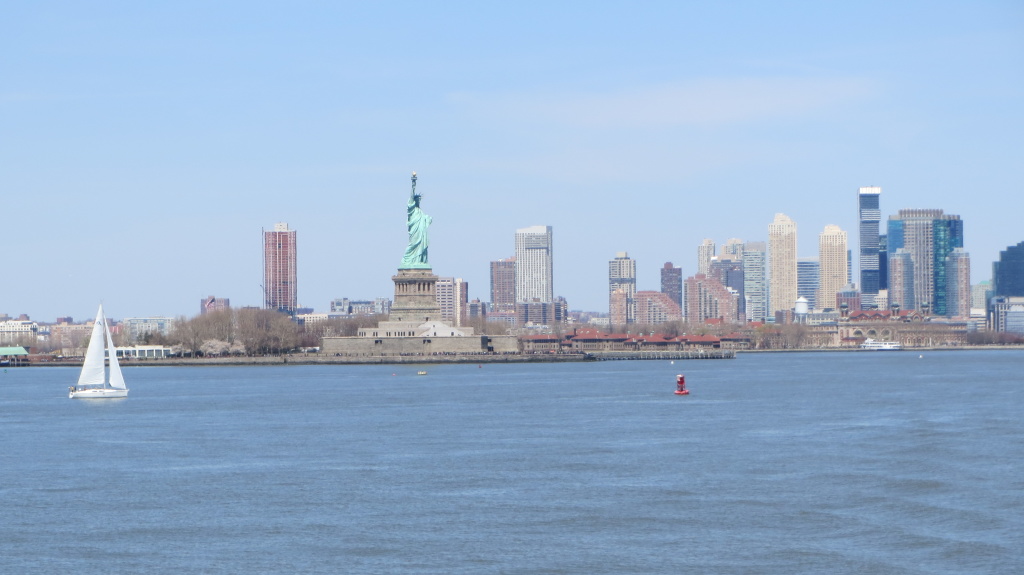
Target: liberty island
[{"x": 414, "y": 327}]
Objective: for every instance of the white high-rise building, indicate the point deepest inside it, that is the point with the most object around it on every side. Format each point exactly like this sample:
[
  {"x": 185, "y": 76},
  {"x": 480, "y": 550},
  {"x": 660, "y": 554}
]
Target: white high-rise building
[
  {"x": 534, "y": 265},
  {"x": 453, "y": 299},
  {"x": 781, "y": 265},
  {"x": 705, "y": 252},
  {"x": 833, "y": 271}
]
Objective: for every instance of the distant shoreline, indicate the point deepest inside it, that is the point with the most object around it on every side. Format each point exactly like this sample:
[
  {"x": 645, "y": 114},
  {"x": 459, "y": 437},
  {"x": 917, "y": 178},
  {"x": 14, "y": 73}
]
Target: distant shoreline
[{"x": 317, "y": 359}]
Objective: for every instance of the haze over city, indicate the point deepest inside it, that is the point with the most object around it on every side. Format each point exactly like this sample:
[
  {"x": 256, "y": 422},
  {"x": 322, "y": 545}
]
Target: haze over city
[{"x": 145, "y": 148}]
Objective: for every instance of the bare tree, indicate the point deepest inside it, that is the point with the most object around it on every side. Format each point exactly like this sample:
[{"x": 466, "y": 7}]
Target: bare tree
[
  {"x": 188, "y": 334},
  {"x": 266, "y": 331}
]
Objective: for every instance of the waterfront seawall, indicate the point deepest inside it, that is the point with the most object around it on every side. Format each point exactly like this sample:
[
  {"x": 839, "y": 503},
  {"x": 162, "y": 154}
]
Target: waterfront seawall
[{"x": 323, "y": 359}]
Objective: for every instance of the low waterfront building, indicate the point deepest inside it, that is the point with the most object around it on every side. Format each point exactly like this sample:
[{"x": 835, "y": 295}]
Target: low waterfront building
[
  {"x": 910, "y": 328},
  {"x": 14, "y": 356},
  {"x": 144, "y": 352},
  {"x": 589, "y": 340}
]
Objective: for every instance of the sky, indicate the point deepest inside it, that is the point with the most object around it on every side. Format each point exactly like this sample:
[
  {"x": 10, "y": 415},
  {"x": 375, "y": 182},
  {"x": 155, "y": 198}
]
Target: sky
[{"x": 145, "y": 146}]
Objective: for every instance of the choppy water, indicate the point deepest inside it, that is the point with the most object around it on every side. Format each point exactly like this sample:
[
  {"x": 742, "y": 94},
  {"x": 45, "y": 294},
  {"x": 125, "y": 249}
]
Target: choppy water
[{"x": 777, "y": 463}]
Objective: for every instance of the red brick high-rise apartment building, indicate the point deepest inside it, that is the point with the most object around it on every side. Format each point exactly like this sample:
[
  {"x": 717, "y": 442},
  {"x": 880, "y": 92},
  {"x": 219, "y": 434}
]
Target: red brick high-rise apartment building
[{"x": 279, "y": 275}]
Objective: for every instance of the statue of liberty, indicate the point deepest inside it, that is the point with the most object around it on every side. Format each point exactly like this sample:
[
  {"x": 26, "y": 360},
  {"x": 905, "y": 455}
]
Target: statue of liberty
[{"x": 418, "y": 222}]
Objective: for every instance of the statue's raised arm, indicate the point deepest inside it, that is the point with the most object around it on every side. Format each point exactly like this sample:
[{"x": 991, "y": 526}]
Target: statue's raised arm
[{"x": 417, "y": 222}]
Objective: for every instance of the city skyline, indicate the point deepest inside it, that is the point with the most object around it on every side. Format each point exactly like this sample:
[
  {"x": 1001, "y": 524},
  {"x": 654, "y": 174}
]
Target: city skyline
[
  {"x": 540, "y": 238},
  {"x": 643, "y": 130}
]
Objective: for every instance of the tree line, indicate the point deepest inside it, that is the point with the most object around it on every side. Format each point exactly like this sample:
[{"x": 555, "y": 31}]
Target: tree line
[{"x": 251, "y": 331}]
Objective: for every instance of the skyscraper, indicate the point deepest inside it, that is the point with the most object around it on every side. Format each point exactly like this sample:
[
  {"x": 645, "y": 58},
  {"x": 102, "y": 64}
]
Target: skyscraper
[
  {"x": 755, "y": 280},
  {"x": 928, "y": 236},
  {"x": 534, "y": 265},
  {"x": 622, "y": 276},
  {"x": 728, "y": 270},
  {"x": 981, "y": 292},
  {"x": 461, "y": 302},
  {"x": 883, "y": 263},
  {"x": 732, "y": 248},
  {"x": 1008, "y": 272},
  {"x": 849, "y": 266},
  {"x": 870, "y": 264},
  {"x": 808, "y": 281},
  {"x": 705, "y": 251},
  {"x": 672, "y": 283},
  {"x": 958, "y": 284},
  {"x": 781, "y": 264},
  {"x": 279, "y": 269},
  {"x": 618, "y": 309},
  {"x": 444, "y": 291},
  {"x": 833, "y": 259},
  {"x": 453, "y": 299},
  {"x": 901, "y": 280},
  {"x": 503, "y": 286}
]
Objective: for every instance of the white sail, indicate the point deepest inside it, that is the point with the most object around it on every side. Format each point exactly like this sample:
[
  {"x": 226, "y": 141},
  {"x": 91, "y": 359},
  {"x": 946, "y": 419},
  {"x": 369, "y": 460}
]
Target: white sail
[
  {"x": 116, "y": 379},
  {"x": 92, "y": 370},
  {"x": 93, "y": 382}
]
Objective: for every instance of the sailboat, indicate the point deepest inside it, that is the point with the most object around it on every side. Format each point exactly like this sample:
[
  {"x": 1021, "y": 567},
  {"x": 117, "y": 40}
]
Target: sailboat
[{"x": 93, "y": 382}]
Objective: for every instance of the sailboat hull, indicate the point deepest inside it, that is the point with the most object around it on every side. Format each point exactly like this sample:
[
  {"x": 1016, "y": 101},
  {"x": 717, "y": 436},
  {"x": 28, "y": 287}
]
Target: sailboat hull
[{"x": 102, "y": 393}]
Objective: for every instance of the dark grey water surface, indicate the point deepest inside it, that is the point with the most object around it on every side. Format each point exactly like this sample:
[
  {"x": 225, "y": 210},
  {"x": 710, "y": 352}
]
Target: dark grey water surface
[{"x": 884, "y": 462}]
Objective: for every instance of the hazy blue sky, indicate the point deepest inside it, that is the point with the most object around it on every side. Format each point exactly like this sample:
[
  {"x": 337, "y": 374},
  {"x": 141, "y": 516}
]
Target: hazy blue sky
[{"x": 144, "y": 146}]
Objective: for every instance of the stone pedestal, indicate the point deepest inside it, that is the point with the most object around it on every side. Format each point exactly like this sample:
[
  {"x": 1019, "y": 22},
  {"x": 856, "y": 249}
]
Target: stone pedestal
[{"x": 415, "y": 296}]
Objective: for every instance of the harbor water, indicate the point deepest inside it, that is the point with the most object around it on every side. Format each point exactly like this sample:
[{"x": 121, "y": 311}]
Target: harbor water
[{"x": 877, "y": 462}]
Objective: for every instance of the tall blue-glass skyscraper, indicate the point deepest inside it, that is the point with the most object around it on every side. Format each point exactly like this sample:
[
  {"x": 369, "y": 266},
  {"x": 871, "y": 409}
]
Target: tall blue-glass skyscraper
[
  {"x": 926, "y": 237},
  {"x": 808, "y": 279},
  {"x": 870, "y": 265},
  {"x": 1008, "y": 272}
]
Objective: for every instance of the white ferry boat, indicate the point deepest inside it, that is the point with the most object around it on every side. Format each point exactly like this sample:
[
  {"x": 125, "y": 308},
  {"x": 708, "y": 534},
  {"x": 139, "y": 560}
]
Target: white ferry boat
[{"x": 880, "y": 345}]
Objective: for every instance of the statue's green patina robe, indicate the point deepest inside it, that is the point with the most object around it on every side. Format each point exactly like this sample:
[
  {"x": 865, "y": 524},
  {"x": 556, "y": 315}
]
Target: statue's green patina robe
[{"x": 418, "y": 222}]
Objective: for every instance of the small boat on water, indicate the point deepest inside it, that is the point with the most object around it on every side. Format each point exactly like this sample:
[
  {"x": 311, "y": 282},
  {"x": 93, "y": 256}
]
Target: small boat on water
[
  {"x": 880, "y": 345},
  {"x": 681, "y": 385},
  {"x": 95, "y": 382},
  {"x": 421, "y": 373}
]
